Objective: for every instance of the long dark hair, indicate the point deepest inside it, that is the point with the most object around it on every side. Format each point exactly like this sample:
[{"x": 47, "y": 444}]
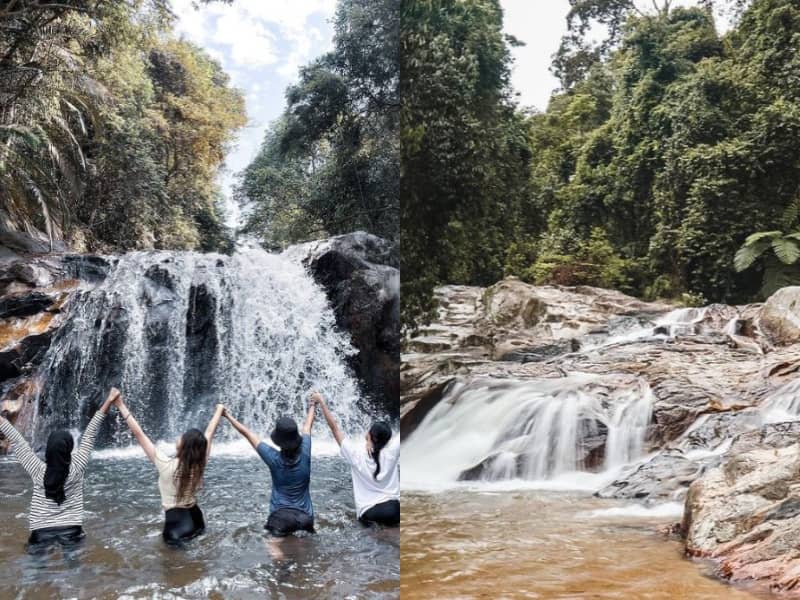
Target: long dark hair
[
  {"x": 191, "y": 463},
  {"x": 380, "y": 433},
  {"x": 58, "y": 457}
]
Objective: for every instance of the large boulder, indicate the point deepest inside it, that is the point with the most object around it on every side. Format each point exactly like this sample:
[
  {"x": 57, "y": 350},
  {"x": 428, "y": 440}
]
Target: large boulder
[
  {"x": 745, "y": 514},
  {"x": 360, "y": 274},
  {"x": 35, "y": 292},
  {"x": 780, "y": 316}
]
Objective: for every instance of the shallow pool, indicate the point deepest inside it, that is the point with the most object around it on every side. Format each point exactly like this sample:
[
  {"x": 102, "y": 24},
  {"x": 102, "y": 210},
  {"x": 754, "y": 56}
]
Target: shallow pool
[{"x": 123, "y": 555}]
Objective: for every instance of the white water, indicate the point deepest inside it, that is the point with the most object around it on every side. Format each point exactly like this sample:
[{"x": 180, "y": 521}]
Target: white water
[
  {"x": 181, "y": 331},
  {"x": 783, "y": 405},
  {"x": 681, "y": 321},
  {"x": 533, "y": 431}
]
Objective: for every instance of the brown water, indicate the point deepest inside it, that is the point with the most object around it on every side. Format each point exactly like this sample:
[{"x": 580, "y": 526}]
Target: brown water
[{"x": 534, "y": 544}]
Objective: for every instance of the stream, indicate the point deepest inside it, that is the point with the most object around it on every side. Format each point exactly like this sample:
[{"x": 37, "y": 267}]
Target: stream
[{"x": 515, "y": 541}]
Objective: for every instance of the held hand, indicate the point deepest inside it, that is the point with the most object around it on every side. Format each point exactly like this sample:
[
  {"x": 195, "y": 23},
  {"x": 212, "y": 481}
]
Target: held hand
[
  {"x": 316, "y": 398},
  {"x": 220, "y": 409}
]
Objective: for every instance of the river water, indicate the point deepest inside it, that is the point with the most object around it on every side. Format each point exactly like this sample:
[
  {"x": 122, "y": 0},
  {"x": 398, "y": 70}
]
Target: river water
[
  {"x": 124, "y": 557},
  {"x": 495, "y": 541}
]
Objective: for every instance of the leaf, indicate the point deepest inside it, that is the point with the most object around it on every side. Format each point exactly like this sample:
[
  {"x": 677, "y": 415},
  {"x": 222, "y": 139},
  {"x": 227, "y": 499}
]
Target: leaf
[
  {"x": 752, "y": 239},
  {"x": 786, "y": 250},
  {"x": 748, "y": 254}
]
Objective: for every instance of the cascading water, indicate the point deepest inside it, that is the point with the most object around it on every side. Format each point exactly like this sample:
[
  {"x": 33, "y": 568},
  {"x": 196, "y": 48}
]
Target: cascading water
[
  {"x": 783, "y": 405},
  {"x": 180, "y": 331},
  {"x": 493, "y": 429}
]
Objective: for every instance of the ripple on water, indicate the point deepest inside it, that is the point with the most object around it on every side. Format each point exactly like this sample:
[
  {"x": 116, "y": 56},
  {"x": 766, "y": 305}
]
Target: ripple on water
[
  {"x": 124, "y": 556},
  {"x": 546, "y": 544}
]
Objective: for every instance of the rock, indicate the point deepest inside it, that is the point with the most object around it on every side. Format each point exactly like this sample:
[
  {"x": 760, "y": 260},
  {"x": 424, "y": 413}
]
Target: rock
[
  {"x": 665, "y": 477},
  {"x": 780, "y": 316},
  {"x": 87, "y": 267},
  {"x": 360, "y": 274},
  {"x": 24, "y": 305},
  {"x": 745, "y": 514}
]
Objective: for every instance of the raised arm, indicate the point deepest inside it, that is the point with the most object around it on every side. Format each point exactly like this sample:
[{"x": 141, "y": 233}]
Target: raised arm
[
  {"x": 334, "y": 426},
  {"x": 81, "y": 458},
  {"x": 251, "y": 437},
  {"x": 32, "y": 464},
  {"x": 212, "y": 427},
  {"x": 141, "y": 436},
  {"x": 312, "y": 409}
]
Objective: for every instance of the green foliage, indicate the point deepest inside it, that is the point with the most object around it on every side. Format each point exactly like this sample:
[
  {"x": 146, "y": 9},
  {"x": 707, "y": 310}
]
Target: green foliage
[
  {"x": 464, "y": 149},
  {"x": 669, "y": 145},
  {"x": 595, "y": 262},
  {"x": 699, "y": 145},
  {"x": 331, "y": 163},
  {"x": 111, "y": 131}
]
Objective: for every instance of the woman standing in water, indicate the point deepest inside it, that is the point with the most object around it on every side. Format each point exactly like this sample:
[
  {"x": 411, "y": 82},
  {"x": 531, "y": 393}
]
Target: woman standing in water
[
  {"x": 56, "y": 512},
  {"x": 375, "y": 467},
  {"x": 180, "y": 477},
  {"x": 290, "y": 507}
]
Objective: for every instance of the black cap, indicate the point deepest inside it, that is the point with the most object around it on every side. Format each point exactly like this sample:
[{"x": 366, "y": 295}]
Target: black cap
[{"x": 285, "y": 434}]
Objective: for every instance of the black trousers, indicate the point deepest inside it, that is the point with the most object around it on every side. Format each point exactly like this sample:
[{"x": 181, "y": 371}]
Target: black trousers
[
  {"x": 182, "y": 524},
  {"x": 285, "y": 521},
  {"x": 386, "y": 513},
  {"x": 41, "y": 539}
]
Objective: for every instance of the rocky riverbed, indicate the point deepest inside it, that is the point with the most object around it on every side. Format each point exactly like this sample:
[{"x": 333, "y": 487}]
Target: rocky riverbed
[{"x": 723, "y": 388}]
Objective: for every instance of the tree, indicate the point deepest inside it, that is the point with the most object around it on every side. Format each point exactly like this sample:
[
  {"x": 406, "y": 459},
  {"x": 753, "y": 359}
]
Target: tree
[
  {"x": 95, "y": 147},
  {"x": 331, "y": 163},
  {"x": 464, "y": 149}
]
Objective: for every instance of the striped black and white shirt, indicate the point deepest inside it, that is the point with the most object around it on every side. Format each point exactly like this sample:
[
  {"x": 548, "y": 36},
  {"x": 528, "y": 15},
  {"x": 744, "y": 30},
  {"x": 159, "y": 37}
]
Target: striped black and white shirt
[{"x": 44, "y": 512}]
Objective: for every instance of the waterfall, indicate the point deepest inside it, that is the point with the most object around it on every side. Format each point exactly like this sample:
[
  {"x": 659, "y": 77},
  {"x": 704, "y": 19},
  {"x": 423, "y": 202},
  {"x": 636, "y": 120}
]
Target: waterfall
[
  {"x": 783, "y": 405},
  {"x": 181, "y": 331},
  {"x": 491, "y": 429}
]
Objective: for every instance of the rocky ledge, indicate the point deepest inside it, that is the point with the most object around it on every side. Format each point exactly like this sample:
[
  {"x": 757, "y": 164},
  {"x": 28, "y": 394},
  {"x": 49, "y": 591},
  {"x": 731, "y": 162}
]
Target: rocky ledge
[
  {"x": 37, "y": 290},
  {"x": 361, "y": 276},
  {"x": 725, "y": 383}
]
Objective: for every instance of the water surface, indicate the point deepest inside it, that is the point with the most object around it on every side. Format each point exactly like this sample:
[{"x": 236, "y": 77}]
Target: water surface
[
  {"x": 124, "y": 556},
  {"x": 470, "y": 543}
]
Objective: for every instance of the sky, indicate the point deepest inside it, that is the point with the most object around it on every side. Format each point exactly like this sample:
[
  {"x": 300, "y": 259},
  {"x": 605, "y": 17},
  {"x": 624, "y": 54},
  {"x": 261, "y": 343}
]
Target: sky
[
  {"x": 260, "y": 44},
  {"x": 540, "y": 25}
]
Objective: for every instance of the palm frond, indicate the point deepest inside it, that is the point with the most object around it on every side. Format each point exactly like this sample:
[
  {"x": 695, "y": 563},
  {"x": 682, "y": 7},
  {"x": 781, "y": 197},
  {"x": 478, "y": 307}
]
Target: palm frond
[
  {"x": 752, "y": 239},
  {"x": 787, "y": 250},
  {"x": 750, "y": 253}
]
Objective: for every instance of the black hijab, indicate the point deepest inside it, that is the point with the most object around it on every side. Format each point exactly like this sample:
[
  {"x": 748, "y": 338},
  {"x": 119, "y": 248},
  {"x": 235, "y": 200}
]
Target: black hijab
[{"x": 58, "y": 457}]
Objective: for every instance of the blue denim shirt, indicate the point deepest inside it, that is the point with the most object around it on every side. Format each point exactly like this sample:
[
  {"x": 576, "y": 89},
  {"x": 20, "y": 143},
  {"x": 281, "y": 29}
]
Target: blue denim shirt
[{"x": 290, "y": 481}]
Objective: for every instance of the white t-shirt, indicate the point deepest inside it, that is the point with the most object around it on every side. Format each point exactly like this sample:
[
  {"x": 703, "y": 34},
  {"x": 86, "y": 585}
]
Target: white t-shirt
[
  {"x": 367, "y": 490},
  {"x": 167, "y": 485}
]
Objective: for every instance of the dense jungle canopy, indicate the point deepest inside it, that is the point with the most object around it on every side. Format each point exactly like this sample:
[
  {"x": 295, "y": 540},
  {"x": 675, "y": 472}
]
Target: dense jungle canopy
[
  {"x": 112, "y": 131},
  {"x": 667, "y": 165}
]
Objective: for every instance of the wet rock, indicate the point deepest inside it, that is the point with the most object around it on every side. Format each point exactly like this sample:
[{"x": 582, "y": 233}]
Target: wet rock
[
  {"x": 87, "y": 267},
  {"x": 665, "y": 477},
  {"x": 745, "y": 514},
  {"x": 360, "y": 274},
  {"x": 201, "y": 345},
  {"x": 537, "y": 353},
  {"x": 780, "y": 316},
  {"x": 24, "y": 305}
]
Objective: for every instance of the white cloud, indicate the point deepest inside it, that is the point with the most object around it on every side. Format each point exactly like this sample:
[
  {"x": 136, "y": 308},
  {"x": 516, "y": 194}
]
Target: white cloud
[
  {"x": 249, "y": 42},
  {"x": 540, "y": 26}
]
